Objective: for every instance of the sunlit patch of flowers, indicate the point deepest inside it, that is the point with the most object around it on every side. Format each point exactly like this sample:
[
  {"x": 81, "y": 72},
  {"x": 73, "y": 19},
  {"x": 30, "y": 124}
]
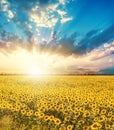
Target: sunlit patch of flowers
[{"x": 57, "y": 102}]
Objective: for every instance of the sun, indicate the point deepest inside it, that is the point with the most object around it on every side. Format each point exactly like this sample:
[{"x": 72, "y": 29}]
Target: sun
[
  {"x": 36, "y": 71},
  {"x": 32, "y": 63}
]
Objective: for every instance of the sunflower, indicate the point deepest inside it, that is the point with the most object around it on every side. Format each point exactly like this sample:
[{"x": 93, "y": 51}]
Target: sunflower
[
  {"x": 86, "y": 113},
  {"x": 77, "y": 114},
  {"x": 41, "y": 115},
  {"x": 86, "y": 128},
  {"x": 46, "y": 118},
  {"x": 112, "y": 117},
  {"x": 107, "y": 126},
  {"x": 36, "y": 113},
  {"x": 67, "y": 118},
  {"x": 80, "y": 122},
  {"x": 96, "y": 126},
  {"x": 57, "y": 121},
  {"x": 110, "y": 113},
  {"x": 62, "y": 128},
  {"x": 51, "y": 118},
  {"x": 70, "y": 127},
  {"x": 103, "y": 111},
  {"x": 23, "y": 111},
  {"x": 102, "y": 118}
]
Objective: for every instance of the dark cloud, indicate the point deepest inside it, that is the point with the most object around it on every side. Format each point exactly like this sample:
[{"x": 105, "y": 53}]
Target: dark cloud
[
  {"x": 91, "y": 33},
  {"x": 90, "y": 42},
  {"x": 67, "y": 44},
  {"x": 75, "y": 70},
  {"x": 9, "y": 42}
]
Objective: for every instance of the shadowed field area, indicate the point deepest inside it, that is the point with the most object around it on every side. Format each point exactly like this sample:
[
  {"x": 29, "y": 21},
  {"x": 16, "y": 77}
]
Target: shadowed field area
[{"x": 57, "y": 103}]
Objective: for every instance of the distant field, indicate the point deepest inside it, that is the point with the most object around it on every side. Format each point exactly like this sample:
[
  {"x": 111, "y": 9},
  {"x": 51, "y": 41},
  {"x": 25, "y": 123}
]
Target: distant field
[{"x": 57, "y": 103}]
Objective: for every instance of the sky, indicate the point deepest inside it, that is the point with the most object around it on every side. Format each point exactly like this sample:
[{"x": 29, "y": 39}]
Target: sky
[{"x": 57, "y": 36}]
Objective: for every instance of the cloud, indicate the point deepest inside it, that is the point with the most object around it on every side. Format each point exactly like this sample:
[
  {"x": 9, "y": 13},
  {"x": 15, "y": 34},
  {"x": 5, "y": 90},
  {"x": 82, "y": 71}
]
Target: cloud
[
  {"x": 10, "y": 14},
  {"x": 61, "y": 12},
  {"x": 53, "y": 6},
  {"x": 68, "y": 45},
  {"x": 99, "y": 54},
  {"x": 64, "y": 20},
  {"x": 92, "y": 33},
  {"x": 7, "y": 47},
  {"x": 42, "y": 17},
  {"x": 110, "y": 60},
  {"x": 4, "y": 5},
  {"x": 34, "y": 21},
  {"x": 62, "y": 1},
  {"x": 63, "y": 59},
  {"x": 42, "y": 20},
  {"x": 90, "y": 42},
  {"x": 36, "y": 14},
  {"x": 56, "y": 63},
  {"x": 47, "y": 15},
  {"x": 29, "y": 26}
]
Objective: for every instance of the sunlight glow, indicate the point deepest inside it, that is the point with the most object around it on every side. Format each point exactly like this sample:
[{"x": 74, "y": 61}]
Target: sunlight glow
[
  {"x": 35, "y": 63},
  {"x": 32, "y": 62},
  {"x": 35, "y": 71}
]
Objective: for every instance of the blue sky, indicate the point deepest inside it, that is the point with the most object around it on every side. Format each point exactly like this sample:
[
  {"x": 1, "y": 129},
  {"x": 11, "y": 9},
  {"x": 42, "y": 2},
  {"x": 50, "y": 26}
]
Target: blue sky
[{"x": 75, "y": 28}]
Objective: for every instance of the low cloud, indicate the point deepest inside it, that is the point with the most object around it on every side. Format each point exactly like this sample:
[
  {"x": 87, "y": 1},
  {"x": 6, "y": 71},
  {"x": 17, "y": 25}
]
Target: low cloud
[
  {"x": 93, "y": 41},
  {"x": 107, "y": 51},
  {"x": 68, "y": 45}
]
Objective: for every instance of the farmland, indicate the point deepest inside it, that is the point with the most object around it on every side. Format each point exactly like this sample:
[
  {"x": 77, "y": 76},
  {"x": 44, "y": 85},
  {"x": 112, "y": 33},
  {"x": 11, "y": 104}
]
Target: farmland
[{"x": 56, "y": 103}]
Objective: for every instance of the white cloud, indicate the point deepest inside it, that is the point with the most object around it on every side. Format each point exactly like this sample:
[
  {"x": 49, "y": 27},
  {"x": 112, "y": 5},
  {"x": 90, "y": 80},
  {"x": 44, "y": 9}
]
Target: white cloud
[
  {"x": 4, "y": 5},
  {"x": 10, "y": 14},
  {"x": 35, "y": 8},
  {"x": 107, "y": 45},
  {"x": 110, "y": 60},
  {"x": 42, "y": 17},
  {"x": 61, "y": 13},
  {"x": 53, "y": 6},
  {"x": 46, "y": 16},
  {"x": 29, "y": 26},
  {"x": 43, "y": 20},
  {"x": 97, "y": 54},
  {"x": 4, "y": 8},
  {"x": 64, "y": 20},
  {"x": 2, "y": 1},
  {"x": 80, "y": 64},
  {"x": 62, "y": 1}
]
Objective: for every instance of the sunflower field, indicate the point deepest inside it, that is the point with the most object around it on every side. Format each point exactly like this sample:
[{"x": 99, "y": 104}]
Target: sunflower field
[{"x": 56, "y": 102}]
